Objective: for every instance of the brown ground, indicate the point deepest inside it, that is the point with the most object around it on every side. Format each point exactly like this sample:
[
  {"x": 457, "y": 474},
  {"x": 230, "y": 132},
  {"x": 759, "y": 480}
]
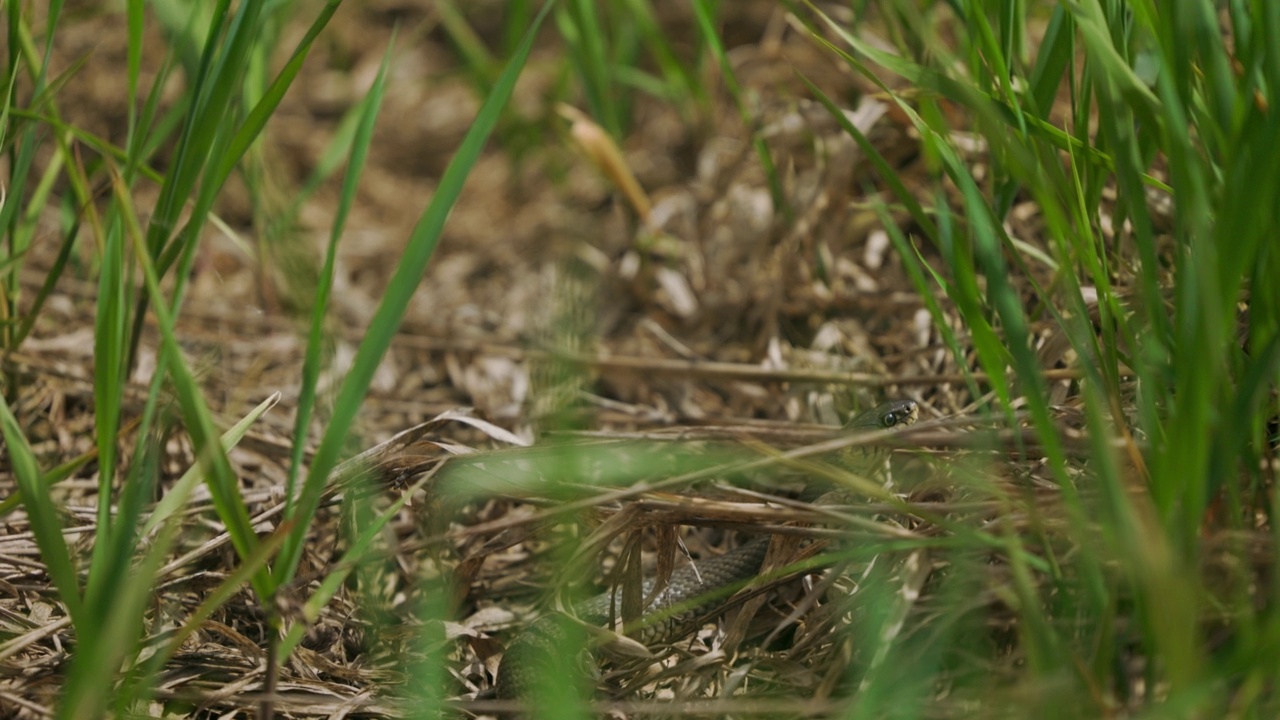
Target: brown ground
[{"x": 540, "y": 253}]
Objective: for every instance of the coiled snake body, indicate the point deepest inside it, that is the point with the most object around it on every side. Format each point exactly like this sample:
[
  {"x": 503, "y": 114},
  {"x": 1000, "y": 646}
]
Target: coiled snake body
[{"x": 692, "y": 592}]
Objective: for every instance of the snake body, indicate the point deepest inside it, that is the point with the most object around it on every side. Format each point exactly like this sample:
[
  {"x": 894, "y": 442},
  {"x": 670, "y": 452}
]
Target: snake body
[
  {"x": 692, "y": 592},
  {"x": 538, "y": 652}
]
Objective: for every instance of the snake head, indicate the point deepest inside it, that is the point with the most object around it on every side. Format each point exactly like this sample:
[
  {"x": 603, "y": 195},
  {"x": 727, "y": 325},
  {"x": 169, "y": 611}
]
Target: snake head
[
  {"x": 898, "y": 412},
  {"x": 895, "y": 413}
]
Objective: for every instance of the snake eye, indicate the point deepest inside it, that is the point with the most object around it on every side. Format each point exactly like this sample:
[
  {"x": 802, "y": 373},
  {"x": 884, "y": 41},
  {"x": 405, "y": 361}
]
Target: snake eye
[{"x": 889, "y": 420}]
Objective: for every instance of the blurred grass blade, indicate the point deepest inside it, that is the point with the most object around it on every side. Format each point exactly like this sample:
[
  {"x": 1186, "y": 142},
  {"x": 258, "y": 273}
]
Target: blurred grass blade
[
  {"x": 687, "y": 85},
  {"x": 480, "y": 63},
  {"x": 704, "y": 13},
  {"x": 584, "y": 33}
]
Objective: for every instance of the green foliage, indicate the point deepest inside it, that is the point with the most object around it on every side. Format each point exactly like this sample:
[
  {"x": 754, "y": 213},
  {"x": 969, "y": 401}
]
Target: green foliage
[
  {"x": 1155, "y": 82},
  {"x": 1085, "y": 108},
  {"x": 227, "y": 103}
]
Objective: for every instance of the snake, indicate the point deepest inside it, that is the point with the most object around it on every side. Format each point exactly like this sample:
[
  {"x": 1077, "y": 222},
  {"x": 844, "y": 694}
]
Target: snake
[{"x": 691, "y": 593}]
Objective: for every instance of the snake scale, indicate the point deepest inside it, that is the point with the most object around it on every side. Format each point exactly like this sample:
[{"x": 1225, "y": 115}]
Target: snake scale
[{"x": 692, "y": 592}]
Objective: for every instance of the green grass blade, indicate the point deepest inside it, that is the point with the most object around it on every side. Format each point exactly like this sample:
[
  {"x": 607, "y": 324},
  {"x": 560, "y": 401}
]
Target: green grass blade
[
  {"x": 480, "y": 63},
  {"x": 584, "y": 32},
  {"x": 176, "y": 497},
  {"x": 42, "y": 515},
  {"x": 219, "y": 74},
  {"x": 133, "y": 62},
  {"x": 257, "y": 119},
  {"x": 218, "y": 474},
  {"x": 684, "y": 84}
]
